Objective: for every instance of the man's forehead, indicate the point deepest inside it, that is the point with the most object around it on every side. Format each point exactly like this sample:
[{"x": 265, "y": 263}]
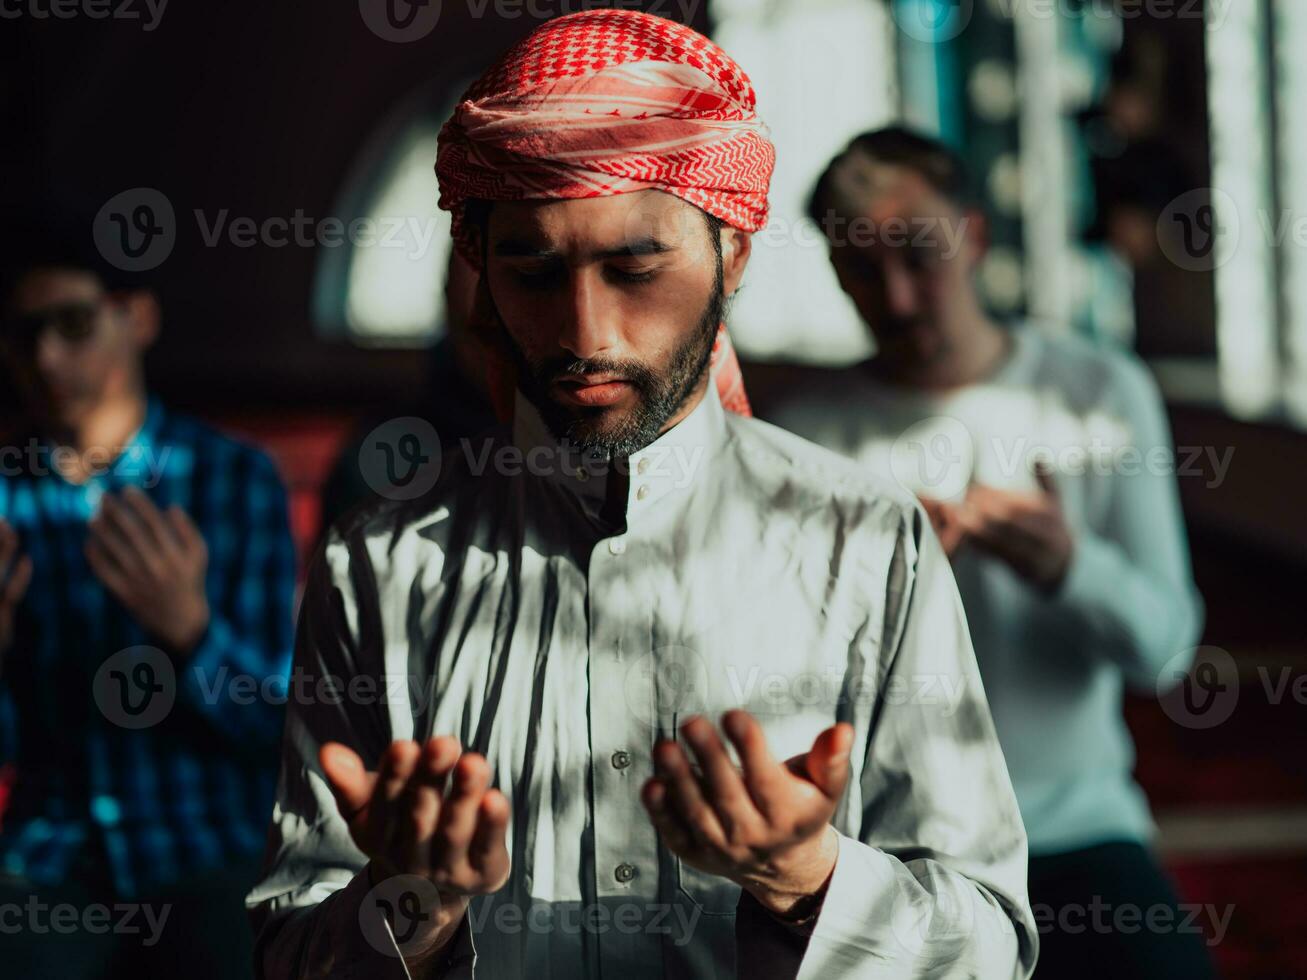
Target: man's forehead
[
  {"x": 596, "y": 223},
  {"x": 50, "y": 285},
  {"x": 870, "y": 188}
]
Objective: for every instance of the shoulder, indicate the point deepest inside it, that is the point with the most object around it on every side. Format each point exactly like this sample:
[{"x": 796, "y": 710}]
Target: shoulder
[
  {"x": 1090, "y": 373},
  {"x": 215, "y": 449},
  {"x": 808, "y": 475}
]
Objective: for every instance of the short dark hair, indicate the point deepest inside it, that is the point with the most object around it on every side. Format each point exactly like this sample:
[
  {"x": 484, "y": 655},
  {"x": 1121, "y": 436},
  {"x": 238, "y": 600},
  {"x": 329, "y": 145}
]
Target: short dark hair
[
  {"x": 55, "y": 237},
  {"x": 942, "y": 168}
]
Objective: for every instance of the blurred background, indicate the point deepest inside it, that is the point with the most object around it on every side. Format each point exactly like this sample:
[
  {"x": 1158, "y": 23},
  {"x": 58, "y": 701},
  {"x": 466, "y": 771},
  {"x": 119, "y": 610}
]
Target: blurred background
[{"x": 1144, "y": 165}]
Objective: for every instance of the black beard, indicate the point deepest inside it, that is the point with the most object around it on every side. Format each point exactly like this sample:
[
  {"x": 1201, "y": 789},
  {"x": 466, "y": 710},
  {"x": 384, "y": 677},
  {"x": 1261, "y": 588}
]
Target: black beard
[{"x": 659, "y": 396}]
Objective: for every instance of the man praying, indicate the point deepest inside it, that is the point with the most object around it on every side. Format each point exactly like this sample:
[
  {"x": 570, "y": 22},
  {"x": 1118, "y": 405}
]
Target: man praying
[{"x": 642, "y": 686}]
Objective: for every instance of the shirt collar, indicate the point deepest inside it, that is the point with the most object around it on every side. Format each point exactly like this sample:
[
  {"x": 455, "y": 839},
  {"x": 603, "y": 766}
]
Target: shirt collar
[{"x": 659, "y": 472}]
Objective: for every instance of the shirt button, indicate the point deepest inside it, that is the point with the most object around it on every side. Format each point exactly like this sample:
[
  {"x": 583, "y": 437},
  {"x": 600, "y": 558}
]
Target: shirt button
[
  {"x": 624, "y": 872},
  {"x": 617, "y": 546},
  {"x": 105, "y": 810},
  {"x": 642, "y": 492},
  {"x": 642, "y": 466},
  {"x": 621, "y": 759}
]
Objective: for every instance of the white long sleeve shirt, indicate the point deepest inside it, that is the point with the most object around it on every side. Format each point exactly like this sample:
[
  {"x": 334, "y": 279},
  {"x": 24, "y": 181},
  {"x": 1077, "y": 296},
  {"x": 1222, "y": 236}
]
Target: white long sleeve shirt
[
  {"x": 748, "y": 569},
  {"x": 1128, "y": 611}
]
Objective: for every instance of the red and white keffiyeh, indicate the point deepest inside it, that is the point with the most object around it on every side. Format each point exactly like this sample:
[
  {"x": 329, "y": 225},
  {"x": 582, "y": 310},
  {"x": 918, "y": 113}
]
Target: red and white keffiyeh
[{"x": 607, "y": 102}]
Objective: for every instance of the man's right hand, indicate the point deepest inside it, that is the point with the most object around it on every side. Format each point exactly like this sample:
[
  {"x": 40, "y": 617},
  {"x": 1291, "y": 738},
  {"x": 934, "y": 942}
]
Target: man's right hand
[
  {"x": 401, "y": 820},
  {"x": 15, "y": 577},
  {"x": 946, "y": 519}
]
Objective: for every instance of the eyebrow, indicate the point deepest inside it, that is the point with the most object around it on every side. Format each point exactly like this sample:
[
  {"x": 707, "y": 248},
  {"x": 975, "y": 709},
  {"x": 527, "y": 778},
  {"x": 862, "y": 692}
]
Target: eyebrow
[{"x": 521, "y": 248}]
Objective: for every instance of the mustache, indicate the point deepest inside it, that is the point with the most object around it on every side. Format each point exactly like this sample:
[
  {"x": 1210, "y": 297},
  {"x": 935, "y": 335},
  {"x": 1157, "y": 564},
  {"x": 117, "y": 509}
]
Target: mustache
[{"x": 636, "y": 373}]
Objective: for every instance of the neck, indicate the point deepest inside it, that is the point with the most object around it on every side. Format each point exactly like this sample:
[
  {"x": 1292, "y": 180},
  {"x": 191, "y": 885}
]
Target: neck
[
  {"x": 973, "y": 349},
  {"x": 102, "y": 435}
]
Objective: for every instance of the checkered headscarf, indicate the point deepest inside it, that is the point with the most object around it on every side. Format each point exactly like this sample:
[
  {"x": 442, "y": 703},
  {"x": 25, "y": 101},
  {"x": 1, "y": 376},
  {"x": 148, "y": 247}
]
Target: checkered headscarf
[{"x": 606, "y": 102}]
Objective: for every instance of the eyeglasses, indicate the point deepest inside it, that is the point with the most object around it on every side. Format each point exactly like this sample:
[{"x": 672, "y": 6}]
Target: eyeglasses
[{"x": 73, "y": 323}]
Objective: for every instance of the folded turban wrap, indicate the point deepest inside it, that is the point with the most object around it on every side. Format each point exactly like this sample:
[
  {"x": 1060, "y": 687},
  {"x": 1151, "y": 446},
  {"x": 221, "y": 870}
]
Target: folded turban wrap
[{"x": 607, "y": 102}]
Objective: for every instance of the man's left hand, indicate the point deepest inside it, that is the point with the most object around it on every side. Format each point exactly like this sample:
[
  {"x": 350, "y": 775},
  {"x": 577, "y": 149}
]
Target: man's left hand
[
  {"x": 1028, "y": 531},
  {"x": 154, "y": 564},
  {"x": 765, "y": 827}
]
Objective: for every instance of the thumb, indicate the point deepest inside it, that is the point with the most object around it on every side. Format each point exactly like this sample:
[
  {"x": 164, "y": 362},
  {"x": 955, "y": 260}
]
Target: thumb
[
  {"x": 1044, "y": 477},
  {"x": 828, "y": 760},
  {"x": 350, "y": 783}
]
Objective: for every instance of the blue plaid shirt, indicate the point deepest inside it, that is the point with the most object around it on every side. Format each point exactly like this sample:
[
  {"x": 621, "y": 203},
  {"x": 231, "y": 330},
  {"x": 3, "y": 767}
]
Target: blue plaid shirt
[{"x": 192, "y": 789}]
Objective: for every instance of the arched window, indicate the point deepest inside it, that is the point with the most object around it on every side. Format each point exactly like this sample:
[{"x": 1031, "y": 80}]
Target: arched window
[{"x": 381, "y": 287}]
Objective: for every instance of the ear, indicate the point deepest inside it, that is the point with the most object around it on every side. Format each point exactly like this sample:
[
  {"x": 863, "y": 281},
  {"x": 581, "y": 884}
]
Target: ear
[
  {"x": 141, "y": 309},
  {"x": 737, "y": 246}
]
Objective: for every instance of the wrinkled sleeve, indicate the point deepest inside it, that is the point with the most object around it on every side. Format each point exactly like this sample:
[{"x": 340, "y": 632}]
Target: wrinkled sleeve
[
  {"x": 252, "y": 596},
  {"x": 934, "y": 882},
  {"x": 1130, "y": 584},
  {"x": 311, "y": 910}
]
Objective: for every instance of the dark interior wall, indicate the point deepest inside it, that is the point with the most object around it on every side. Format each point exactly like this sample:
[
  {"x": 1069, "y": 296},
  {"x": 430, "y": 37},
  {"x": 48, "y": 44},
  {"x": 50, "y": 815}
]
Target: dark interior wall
[{"x": 257, "y": 110}]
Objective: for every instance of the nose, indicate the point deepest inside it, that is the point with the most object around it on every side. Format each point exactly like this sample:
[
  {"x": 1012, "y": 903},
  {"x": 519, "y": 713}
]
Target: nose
[
  {"x": 589, "y": 327},
  {"x": 901, "y": 294}
]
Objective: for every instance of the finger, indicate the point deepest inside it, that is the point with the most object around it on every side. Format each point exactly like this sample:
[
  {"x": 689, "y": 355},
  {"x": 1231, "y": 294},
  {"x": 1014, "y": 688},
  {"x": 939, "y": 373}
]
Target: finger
[
  {"x": 488, "y": 852},
  {"x": 828, "y": 759},
  {"x": 20, "y": 577},
  {"x": 107, "y": 569},
  {"x": 673, "y": 768},
  {"x": 381, "y": 819},
  {"x": 184, "y": 528},
  {"x": 764, "y": 778},
  {"x": 348, "y": 781},
  {"x": 420, "y": 813},
  {"x": 654, "y": 796},
  {"x": 422, "y": 799},
  {"x": 458, "y": 817},
  {"x": 8, "y": 546},
  {"x": 121, "y": 538},
  {"x": 155, "y": 531},
  {"x": 723, "y": 788},
  {"x": 1044, "y": 477}
]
